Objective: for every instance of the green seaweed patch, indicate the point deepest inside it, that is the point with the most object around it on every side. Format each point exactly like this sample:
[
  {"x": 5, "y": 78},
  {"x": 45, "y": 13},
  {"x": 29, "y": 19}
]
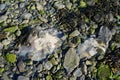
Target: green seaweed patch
[
  {"x": 11, "y": 29},
  {"x": 11, "y": 58},
  {"x": 103, "y": 72}
]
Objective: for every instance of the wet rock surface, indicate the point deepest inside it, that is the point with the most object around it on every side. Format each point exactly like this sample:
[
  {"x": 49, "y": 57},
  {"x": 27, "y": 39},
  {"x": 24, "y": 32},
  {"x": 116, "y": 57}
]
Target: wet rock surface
[{"x": 59, "y": 40}]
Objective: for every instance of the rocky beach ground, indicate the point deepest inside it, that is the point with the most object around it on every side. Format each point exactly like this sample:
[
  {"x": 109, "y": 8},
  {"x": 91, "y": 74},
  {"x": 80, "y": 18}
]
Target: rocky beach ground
[{"x": 59, "y": 40}]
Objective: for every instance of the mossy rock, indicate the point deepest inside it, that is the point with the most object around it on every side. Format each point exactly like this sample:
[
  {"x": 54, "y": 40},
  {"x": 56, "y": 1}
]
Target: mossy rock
[
  {"x": 103, "y": 72},
  {"x": 82, "y": 4},
  {"x": 1, "y": 70},
  {"x": 49, "y": 77},
  {"x": 11, "y": 58},
  {"x": 11, "y": 29}
]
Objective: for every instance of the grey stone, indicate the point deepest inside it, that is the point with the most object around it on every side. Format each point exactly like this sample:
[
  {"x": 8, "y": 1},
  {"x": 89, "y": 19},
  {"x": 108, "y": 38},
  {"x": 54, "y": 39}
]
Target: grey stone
[
  {"x": 90, "y": 2},
  {"x": 6, "y": 42},
  {"x": 2, "y": 6},
  {"x": 88, "y": 48},
  {"x": 71, "y": 60},
  {"x": 5, "y": 76},
  {"x": 81, "y": 78},
  {"x": 48, "y": 65},
  {"x": 39, "y": 6},
  {"x": 3, "y": 18},
  {"x": 22, "y": 78},
  {"x": 21, "y": 66},
  {"x": 27, "y": 15},
  {"x": 21, "y": 5},
  {"x": 59, "y": 5},
  {"x": 74, "y": 33},
  {"x": 1, "y": 46},
  {"x": 77, "y": 72},
  {"x": 18, "y": 33},
  {"x": 68, "y": 5},
  {"x": 39, "y": 68},
  {"x": 105, "y": 35}
]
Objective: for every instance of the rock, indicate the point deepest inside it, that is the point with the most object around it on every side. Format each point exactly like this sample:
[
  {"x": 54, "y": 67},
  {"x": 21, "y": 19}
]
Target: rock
[
  {"x": 88, "y": 48},
  {"x": 77, "y": 72},
  {"x": 91, "y": 2},
  {"x": 1, "y": 45},
  {"x": 105, "y": 35},
  {"x": 39, "y": 6},
  {"x": 74, "y": 33},
  {"x": 2, "y": 6},
  {"x": 88, "y": 62},
  {"x": 5, "y": 76},
  {"x": 84, "y": 68},
  {"x": 71, "y": 60},
  {"x": 48, "y": 65},
  {"x": 18, "y": 33},
  {"x": 27, "y": 15},
  {"x": 21, "y": 5},
  {"x": 39, "y": 68},
  {"x": 6, "y": 42},
  {"x": 59, "y": 5},
  {"x": 3, "y": 18},
  {"x": 68, "y": 5},
  {"x": 53, "y": 61},
  {"x": 42, "y": 42},
  {"x": 22, "y": 78},
  {"x": 73, "y": 78},
  {"x": 43, "y": 19},
  {"x": 21, "y": 66},
  {"x": 81, "y": 78},
  {"x": 49, "y": 77}
]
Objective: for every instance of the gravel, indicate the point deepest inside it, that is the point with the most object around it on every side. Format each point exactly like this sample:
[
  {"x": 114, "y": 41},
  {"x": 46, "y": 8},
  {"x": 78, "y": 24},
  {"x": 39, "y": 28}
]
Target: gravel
[{"x": 59, "y": 39}]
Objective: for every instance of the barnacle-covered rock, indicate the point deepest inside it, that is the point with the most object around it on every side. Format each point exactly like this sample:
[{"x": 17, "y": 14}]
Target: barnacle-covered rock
[
  {"x": 90, "y": 48},
  {"x": 41, "y": 43}
]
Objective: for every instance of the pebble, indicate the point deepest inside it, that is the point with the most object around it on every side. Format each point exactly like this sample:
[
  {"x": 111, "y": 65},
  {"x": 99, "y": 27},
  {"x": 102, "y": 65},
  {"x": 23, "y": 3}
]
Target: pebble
[
  {"x": 71, "y": 60},
  {"x": 22, "y": 4},
  {"x": 6, "y": 42},
  {"x": 68, "y": 5},
  {"x": 21, "y": 66},
  {"x": 39, "y": 68},
  {"x": 1, "y": 45},
  {"x": 3, "y": 18},
  {"x": 5, "y": 76},
  {"x": 48, "y": 65},
  {"x": 59, "y": 5},
  {"x": 18, "y": 33},
  {"x": 77, "y": 72},
  {"x": 22, "y": 78},
  {"x": 2, "y": 6},
  {"x": 27, "y": 15},
  {"x": 39, "y": 6},
  {"x": 74, "y": 33},
  {"x": 90, "y": 2}
]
